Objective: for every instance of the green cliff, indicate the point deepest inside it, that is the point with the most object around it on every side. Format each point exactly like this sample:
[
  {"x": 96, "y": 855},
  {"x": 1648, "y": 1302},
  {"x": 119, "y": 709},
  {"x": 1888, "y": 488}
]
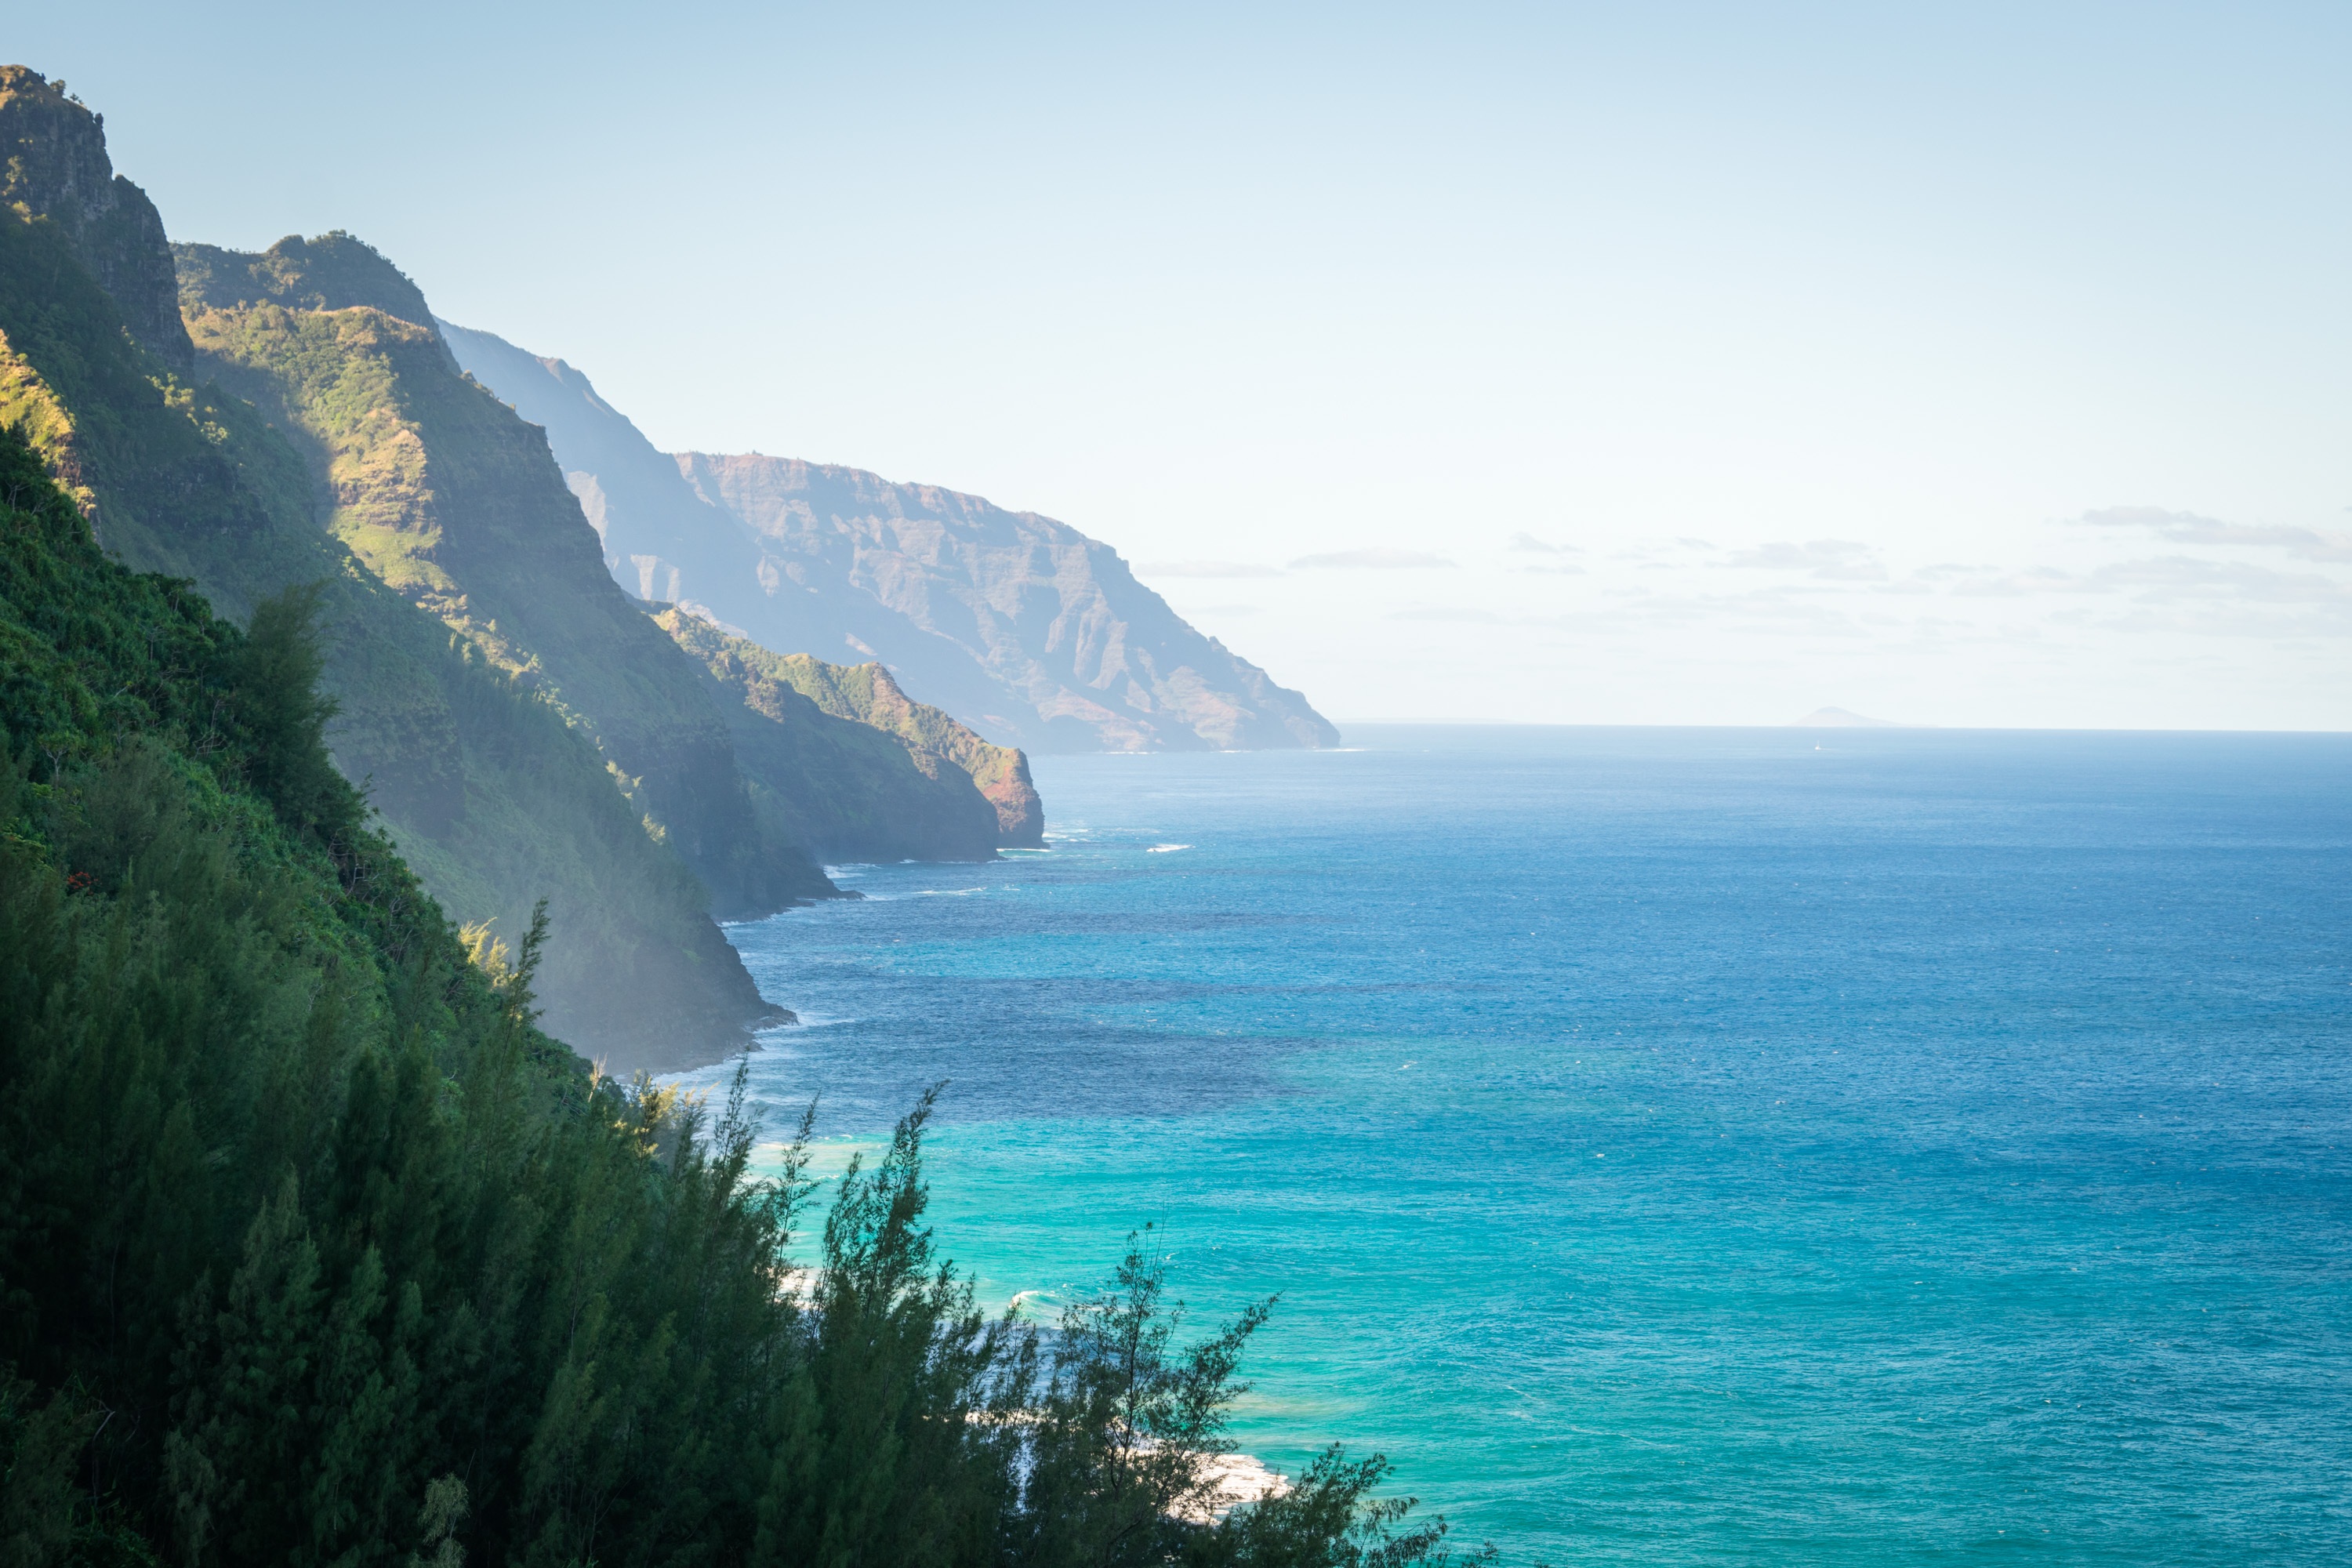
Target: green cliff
[
  {"x": 453, "y": 501},
  {"x": 867, "y": 693},
  {"x": 843, "y": 762},
  {"x": 53, "y": 163},
  {"x": 497, "y": 800}
]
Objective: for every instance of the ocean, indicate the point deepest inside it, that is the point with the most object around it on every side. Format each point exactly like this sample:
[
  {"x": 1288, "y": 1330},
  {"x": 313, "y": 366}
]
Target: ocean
[{"x": 1672, "y": 1145}]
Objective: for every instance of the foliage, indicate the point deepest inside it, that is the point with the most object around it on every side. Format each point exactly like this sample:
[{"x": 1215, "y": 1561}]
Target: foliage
[
  {"x": 333, "y": 272},
  {"x": 314, "y": 1250},
  {"x": 449, "y": 498},
  {"x": 496, "y": 800}
]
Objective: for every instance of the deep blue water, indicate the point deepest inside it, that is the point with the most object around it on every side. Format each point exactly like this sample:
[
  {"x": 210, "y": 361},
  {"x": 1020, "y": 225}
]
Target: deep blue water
[{"x": 1676, "y": 1146}]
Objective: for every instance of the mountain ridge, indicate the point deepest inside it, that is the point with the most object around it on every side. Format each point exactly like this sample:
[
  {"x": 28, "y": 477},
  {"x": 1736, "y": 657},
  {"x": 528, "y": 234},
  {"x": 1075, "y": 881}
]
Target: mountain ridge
[
  {"x": 1020, "y": 626},
  {"x": 523, "y": 728},
  {"x": 497, "y": 800}
]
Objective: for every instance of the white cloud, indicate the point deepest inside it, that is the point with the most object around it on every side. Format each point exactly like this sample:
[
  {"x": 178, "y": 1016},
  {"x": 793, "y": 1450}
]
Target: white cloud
[
  {"x": 2187, "y": 528},
  {"x": 1375, "y": 559},
  {"x": 1831, "y": 559},
  {"x": 1203, "y": 569}
]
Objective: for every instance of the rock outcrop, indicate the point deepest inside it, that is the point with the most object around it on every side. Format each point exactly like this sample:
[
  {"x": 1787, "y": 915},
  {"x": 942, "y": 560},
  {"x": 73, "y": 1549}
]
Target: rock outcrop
[
  {"x": 54, "y": 166},
  {"x": 866, "y": 693}
]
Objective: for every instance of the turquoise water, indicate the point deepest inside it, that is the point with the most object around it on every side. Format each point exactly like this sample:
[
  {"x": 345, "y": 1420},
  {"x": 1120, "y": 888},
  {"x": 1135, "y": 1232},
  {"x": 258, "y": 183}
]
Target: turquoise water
[{"x": 1676, "y": 1146}]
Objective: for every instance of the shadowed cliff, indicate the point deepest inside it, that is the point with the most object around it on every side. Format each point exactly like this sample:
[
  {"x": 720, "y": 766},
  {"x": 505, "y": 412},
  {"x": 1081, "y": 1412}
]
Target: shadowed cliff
[
  {"x": 846, "y": 764},
  {"x": 454, "y": 501}
]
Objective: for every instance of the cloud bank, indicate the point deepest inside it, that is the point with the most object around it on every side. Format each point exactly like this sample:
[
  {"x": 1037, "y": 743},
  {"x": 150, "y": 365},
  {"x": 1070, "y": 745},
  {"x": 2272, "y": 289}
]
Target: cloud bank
[{"x": 1375, "y": 560}]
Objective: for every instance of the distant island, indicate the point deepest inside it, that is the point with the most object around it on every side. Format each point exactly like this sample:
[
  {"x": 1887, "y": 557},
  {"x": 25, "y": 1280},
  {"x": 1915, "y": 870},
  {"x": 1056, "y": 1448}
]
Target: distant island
[{"x": 1844, "y": 719}]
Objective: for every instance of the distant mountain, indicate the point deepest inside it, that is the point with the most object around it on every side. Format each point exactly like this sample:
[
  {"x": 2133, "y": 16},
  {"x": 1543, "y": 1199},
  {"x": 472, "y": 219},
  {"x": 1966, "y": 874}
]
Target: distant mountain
[
  {"x": 1021, "y": 626},
  {"x": 1841, "y": 718}
]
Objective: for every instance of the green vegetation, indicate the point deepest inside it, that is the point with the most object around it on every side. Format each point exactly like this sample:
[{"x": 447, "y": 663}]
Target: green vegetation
[
  {"x": 449, "y": 498},
  {"x": 315, "y": 1249},
  {"x": 841, "y": 761},
  {"x": 332, "y": 272},
  {"x": 867, "y": 693},
  {"x": 495, "y": 799}
]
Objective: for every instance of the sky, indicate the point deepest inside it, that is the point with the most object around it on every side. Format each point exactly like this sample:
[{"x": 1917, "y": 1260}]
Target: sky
[{"x": 1675, "y": 364}]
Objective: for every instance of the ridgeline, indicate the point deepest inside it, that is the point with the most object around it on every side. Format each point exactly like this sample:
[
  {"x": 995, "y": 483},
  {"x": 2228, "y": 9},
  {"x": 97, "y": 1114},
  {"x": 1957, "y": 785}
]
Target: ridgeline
[{"x": 524, "y": 729}]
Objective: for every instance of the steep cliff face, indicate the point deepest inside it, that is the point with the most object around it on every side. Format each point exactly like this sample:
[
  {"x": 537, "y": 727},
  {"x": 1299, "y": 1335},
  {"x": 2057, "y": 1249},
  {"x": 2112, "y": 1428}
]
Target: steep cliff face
[
  {"x": 926, "y": 787},
  {"x": 867, "y": 693},
  {"x": 454, "y": 501},
  {"x": 53, "y": 165},
  {"x": 843, "y": 789},
  {"x": 1021, "y": 626},
  {"x": 1045, "y": 615},
  {"x": 661, "y": 541},
  {"x": 496, "y": 799}
]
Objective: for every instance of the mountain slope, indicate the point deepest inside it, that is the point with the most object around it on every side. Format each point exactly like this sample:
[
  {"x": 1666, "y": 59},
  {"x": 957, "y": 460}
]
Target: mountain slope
[
  {"x": 453, "y": 501},
  {"x": 867, "y": 693},
  {"x": 1021, "y": 626},
  {"x": 925, "y": 788},
  {"x": 794, "y": 751},
  {"x": 490, "y": 793}
]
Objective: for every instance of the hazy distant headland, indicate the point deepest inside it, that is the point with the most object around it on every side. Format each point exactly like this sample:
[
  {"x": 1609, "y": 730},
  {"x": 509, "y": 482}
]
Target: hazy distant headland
[
  {"x": 1841, "y": 718},
  {"x": 1022, "y": 628}
]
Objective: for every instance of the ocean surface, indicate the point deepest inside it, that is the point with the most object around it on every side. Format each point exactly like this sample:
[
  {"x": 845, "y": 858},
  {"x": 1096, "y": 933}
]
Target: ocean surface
[{"x": 1674, "y": 1146}]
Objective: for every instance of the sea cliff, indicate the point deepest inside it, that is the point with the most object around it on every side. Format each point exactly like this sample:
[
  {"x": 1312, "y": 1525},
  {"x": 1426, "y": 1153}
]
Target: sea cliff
[{"x": 1021, "y": 626}]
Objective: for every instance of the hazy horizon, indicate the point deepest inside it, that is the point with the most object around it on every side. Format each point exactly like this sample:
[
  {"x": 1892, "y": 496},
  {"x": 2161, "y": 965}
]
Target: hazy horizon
[{"x": 1693, "y": 367}]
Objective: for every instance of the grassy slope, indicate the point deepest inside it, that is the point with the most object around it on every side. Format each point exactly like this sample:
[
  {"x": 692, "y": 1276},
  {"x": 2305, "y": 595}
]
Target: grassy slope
[
  {"x": 847, "y": 790},
  {"x": 500, "y": 802},
  {"x": 452, "y": 500}
]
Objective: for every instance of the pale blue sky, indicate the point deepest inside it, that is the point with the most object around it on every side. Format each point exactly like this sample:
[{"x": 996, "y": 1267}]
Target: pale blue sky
[{"x": 1807, "y": 336}]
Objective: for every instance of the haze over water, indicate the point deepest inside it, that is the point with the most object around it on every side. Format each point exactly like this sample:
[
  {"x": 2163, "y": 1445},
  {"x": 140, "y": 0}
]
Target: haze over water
[{"x": 1675, "y": 1146}]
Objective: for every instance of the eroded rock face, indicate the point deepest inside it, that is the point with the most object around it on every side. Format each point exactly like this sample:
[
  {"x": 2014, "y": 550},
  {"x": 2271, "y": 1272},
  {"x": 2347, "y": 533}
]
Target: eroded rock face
[
  {"x": 53, "y": 165},
  {"x": 453, "y": 501},
  {"x": 1022, "y": 627},
  {"x": 843, "y": 764},
  {"x": 1080, "y": 656},
  {"x": 791, "y": 690}
]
